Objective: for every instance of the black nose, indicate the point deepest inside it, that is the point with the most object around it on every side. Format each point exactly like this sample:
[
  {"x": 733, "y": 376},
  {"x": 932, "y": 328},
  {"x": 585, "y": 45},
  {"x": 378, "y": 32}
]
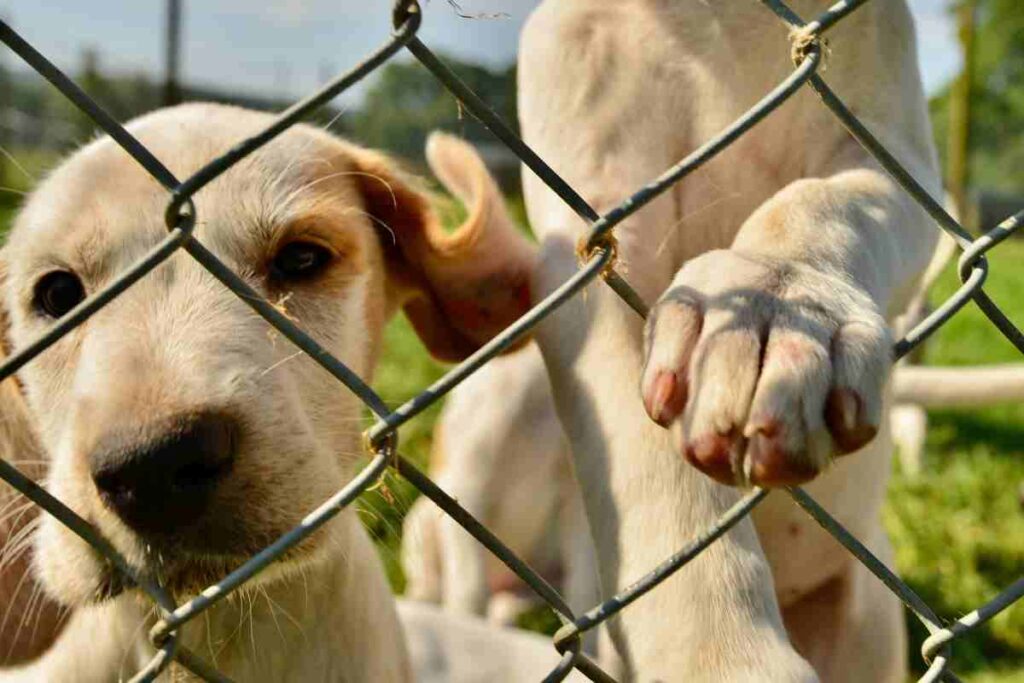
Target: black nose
[{"x": 162, "y": 481}]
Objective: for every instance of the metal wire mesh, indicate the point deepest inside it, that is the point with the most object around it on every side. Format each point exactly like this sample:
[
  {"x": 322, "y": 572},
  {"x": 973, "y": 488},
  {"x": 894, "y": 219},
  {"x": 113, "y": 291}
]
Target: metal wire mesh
[{"x": 599, "y": 261}]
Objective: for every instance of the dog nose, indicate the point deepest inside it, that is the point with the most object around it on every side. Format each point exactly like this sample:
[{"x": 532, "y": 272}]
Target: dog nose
[{"x": 165, "y": 482}]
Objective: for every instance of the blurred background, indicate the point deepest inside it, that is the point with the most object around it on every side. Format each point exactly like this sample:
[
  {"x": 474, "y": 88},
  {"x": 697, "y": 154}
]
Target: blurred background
[
  {"x": 958, "y": 524},
  {"x": 134, "y": 56}
]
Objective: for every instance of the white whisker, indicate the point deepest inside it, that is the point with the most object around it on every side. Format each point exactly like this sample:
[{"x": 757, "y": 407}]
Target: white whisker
[
  {"x": 10, "y": 157},
  {"x": 280, "y": 363}
]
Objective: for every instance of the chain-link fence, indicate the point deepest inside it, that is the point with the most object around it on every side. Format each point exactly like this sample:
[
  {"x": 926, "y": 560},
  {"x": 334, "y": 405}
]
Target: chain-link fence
[{"x": 597, "y": 260}]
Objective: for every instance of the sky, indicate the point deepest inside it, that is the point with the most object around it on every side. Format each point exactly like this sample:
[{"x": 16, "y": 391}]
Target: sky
[{"x": 288, "y": 47}]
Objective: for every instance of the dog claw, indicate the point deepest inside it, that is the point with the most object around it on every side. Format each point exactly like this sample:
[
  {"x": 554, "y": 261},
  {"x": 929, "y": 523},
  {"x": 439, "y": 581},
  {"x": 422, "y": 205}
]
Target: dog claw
[
  {"x": 714, "y": 455},
  {"x": 771, "y": 465},
  {"x": 844, "y": 414},
  {"x": 665, "y": 398}
]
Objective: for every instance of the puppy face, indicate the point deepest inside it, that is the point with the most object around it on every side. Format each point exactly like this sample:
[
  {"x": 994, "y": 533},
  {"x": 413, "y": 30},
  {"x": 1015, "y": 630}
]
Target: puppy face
[{"x": 176, "y": 420}]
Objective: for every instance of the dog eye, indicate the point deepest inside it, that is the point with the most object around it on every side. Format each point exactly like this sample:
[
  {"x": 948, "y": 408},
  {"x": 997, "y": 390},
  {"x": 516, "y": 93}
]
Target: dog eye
[
  {"x": 58, "y": 292},
  {"x": 300, "y": 260}
]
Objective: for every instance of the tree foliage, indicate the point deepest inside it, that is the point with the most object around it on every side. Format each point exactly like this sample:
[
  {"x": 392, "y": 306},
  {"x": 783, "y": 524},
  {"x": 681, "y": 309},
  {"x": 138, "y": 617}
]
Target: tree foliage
[
  {"x": 997, "y": 98},
  {"x": 406, "y": 102}
]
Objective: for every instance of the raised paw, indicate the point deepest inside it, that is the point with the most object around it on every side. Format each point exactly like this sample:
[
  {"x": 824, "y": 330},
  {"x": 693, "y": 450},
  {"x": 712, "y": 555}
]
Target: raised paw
[{"x": 764, "y": 370}]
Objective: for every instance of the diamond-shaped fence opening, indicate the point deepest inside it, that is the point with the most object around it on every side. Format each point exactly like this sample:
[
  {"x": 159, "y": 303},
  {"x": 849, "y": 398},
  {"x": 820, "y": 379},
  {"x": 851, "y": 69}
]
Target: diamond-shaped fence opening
[{"x": 597, "y": 261}]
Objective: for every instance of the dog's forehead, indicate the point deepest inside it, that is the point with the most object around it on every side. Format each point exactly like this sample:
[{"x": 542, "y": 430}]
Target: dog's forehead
[{"x": 102, "y": 200}]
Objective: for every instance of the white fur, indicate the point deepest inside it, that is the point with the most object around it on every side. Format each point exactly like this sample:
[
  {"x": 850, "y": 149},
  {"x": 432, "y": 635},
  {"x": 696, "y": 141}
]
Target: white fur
[
  {"x": 792, "y": 235},
  {"x": 179, "y": 342},
  {"x": 501, "y": 452}
]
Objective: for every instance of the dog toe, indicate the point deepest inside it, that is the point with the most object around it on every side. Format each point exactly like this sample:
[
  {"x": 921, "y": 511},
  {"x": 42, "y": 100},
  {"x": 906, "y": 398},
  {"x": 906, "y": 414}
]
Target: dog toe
[
  {"x": 672, "y": 334},
  {"x": 716, "y": 455}
]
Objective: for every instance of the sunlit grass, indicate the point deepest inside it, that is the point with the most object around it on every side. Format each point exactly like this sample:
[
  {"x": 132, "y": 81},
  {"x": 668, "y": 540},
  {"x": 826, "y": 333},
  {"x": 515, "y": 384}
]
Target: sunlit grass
[{"x": 958, "y": 527}]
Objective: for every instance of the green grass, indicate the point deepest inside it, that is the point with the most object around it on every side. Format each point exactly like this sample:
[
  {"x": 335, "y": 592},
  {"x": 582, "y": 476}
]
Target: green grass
[
  {"x": 8, "y": 206},
  {"x": 958, "y": 528},
  {"x": 404, "y": 371},
  {"x": 997, "y": 674}
]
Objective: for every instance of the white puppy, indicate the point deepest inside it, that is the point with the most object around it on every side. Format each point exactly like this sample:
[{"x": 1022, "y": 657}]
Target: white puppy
[
  {"x": 191, "y": 434},
  {"x": 774, "y": 270},
  {"x": 500, "y": 451}
]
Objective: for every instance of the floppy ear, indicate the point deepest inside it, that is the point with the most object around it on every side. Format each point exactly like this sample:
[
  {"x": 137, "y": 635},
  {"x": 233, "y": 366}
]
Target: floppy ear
[
  {"x": 19, "y": 446},
  {"x": 458, "y": 289}
]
